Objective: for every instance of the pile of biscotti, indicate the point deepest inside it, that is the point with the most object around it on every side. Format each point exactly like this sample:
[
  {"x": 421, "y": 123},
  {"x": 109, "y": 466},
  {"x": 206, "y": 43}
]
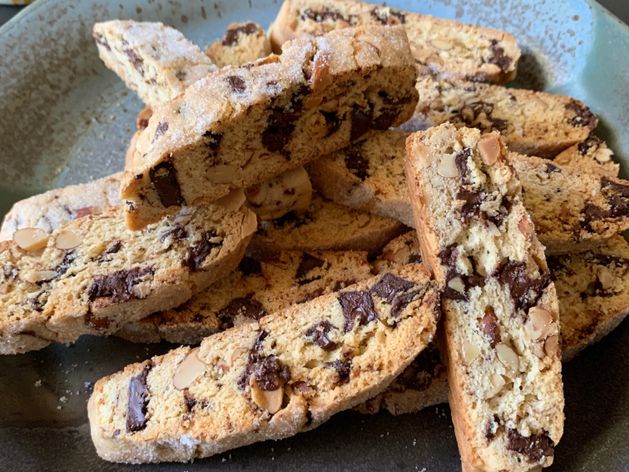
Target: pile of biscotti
[{"x": 365, "y": 218}]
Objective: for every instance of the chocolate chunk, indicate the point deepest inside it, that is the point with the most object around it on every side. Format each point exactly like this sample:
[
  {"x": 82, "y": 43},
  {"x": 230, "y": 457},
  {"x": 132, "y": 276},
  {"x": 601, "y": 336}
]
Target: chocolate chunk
[
  {"x": 415, "y": 259},
  {"x": 525, "y": 292},
  {"x": 201, "y": 249},
  {"x": 421, "y": 372},
  {"x": 332, "y": 122},
  {"x": 319, "y": 334},
  {"x": 250, "y": 266},
  {"x": 38, "y": 301},
  {"x": 589, "y": 214},
  {"x": 498, "y": 56},
  {"x": 9, "y": 273},
  {"x": 212, "y": 141},
  {"x": 114, "y": 247},
  {"x": 326, "y": 14},
  {"x": 551, "y": 168},
  {"x": 293, "y": 219},
  {"x": 138, "y": 401},
  {"x": 343, "y": 370},
  {"x": 492, "y": 427},
  {"x": 361, "y": 122},
  {"x": 357, "y": 307},
  {"x": 534, "y": 447},
  {"x": 176, "y": 232},
  {"x": 231, "y": 35},
  {"x": 390, "y": 17},
  {"x": 503, "y": 211},
  {"x": 617, "y": 196},
  {"x": 448, "y": 258},
  {"x": 389, "y": 286},
  {"x": 282, "y": 120},
  {"x": 401, "y": 301},
  {"x": 246, "y": 306},
  {"x": 164, "y": 178},
  {"x": 189, "y": 400},
  {"x": 461, "y": 164},
  {"x": 118, "y": 286},
  {"x": 389, "y": 111},
  {"x": 472, "y": 200},
  {"x": 162, "y": 127},
  {"x": 270, "y": 373},
  {"x": 489, "y": 326},
  {"x": 135, "y": 60},
  {"x": 356, "y": 163},
  {"x": 582, "y": 115},
  {"x": 181, "y": 75},
  {"x": 236, "y": 83},
  {"x": 307, "y": 264},
  {"x": 100, "y": 39},
  {"x": 66, "y": 262}
]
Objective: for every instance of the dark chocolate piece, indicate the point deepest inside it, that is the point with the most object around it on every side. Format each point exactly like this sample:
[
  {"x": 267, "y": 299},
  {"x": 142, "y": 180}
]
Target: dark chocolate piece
[
  {"x": 164, "y": 178},
  {"x": 118, "y": 286},
  {"x": 138, "y": 401},
  {"x": 319, "y": 334},
  {"x": 357, "y": 307},
  {"x": 201, "y": 249},
  {"x": 534, "y": 447}
]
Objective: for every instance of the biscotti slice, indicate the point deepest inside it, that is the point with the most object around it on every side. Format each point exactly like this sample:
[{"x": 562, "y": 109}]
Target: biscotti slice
[
  {"x": 284, "y": 374},
  {"x": 592, "y": 155},
  {"x": 57, "y": 207},
  {"x": 156, "y": 61},
  {"x": 92, "y": 275},
  {"x": 593, "y": 299},
  {"x": 241, "y": 126},
  {"x": 242, "y": 43},
  {"x": 535, "y": 123},
  {"x": 324, "y": 226},
  {"x": 501, "y": 324},
  {"x": 572, "y": 209},
  {"x": 256, "y": 289},
  {"x": 443, "y": 47}
]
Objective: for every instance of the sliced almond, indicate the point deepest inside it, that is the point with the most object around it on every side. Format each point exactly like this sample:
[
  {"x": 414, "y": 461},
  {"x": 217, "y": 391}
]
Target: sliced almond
[
  {"x": 539, "y": 323},
  {"x": 67, "y": 239},
  {"x": 249, "y": 224},
  {"x": 470, "y": 352},
  {"x": 525, "y": 225},
  {"x": 508, "y": 357},
  {"x": 442, "y": 44},
  {"x": 188, "y": 370},
  {"x": 31, "y": 239},
  {"x": 238, "y": 353},
  {"x": 35, "y": 276},
  {"x": 456, "y": 283},
  {"x": 270, "y": 400},
  {"x": 489, "y": 148},
  {"x": 496, "y": 382},
  {"x": 447, "y": 166},
  {"x": 551, "y": 346}
]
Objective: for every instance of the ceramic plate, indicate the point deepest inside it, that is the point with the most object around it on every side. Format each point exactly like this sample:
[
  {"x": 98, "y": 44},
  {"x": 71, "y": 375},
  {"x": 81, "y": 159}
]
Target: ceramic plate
[{"x": 65, "y": 119}]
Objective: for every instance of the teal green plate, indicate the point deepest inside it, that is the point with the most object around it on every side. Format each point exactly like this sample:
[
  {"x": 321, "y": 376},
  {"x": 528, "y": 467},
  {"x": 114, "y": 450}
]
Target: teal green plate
[{"x": 64, "y": 119}]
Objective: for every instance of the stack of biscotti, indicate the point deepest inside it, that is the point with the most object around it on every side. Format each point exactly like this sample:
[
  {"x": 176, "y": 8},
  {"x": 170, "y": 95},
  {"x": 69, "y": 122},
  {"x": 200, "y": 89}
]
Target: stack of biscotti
[
  {"x": 573, "y": 207},
  {"x": 134, "y": 49},
  {"x": 501, "y": 316}
]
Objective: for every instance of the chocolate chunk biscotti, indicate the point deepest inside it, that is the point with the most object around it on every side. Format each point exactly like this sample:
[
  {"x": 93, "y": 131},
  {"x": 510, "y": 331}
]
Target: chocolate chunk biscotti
[
  {"x": 256, "y": 289},
  {"x": 501, "y": 325},
  {"x": 269, "y": 379},
  {"x": 572, "y": 209},
  {"x": 57, "y": 207},
  {"x": 534, "y": 123},
  {"x": 92, "y": 275},
  {"x": 242, "y": 43},
  {"x": 324, "y": 226},
  {"x": 443, "y": 47},
  {"x": 153, "y": 59},
  {"x": 593, "y": 299},
  {"x": 241, "y": 126}
]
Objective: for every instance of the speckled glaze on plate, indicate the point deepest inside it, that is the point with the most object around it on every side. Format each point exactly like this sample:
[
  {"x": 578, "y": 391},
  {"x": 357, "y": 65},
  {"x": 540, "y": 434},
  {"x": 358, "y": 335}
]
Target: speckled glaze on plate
[{"x": 65, "y": 119}]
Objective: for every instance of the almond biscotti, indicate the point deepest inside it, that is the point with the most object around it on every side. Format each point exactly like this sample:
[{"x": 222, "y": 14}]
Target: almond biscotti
[
  {"x": 501, "y": 325},
  {"x": 257, "y": 288},
  {"x": 156, "y": 61},
  {"x": 443, "y": 47},
  {"x": 270, "y": 379},
  {"x": 325, "y": 225},
  {"x": 572, "y": 209},
  {"x": 241, "y": 126},
  {"x": 534, "y": 123},
  {"x": 57, "y": 207},
  {"x": 242, "y": 43},
  {"x": 593, "y": 299},
  {"x": 92, "y": 275}
]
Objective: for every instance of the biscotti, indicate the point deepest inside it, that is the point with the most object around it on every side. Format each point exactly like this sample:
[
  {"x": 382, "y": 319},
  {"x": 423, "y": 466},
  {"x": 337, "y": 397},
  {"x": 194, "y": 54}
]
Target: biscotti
[
  {"x": 269, "y": 379},
  {"x": 501, "y": 318},
  {"x": 241, "y": 126},
  {"x": 242, "y": 43},
  {"x": 254, "y": 290},
  {"x": 535, "y": 123},
  {"x": 593, "y": 299},
  {"x": 92, "y": 275},
  {"x": 443, "y": 47},
  {"x": 592, "y": 155},
  {"x": 153, "y": 59},
  {"x": 572, "y": 209},
  {"x": 324, "y": 226},
  {"x": 57, "y": 207}
]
